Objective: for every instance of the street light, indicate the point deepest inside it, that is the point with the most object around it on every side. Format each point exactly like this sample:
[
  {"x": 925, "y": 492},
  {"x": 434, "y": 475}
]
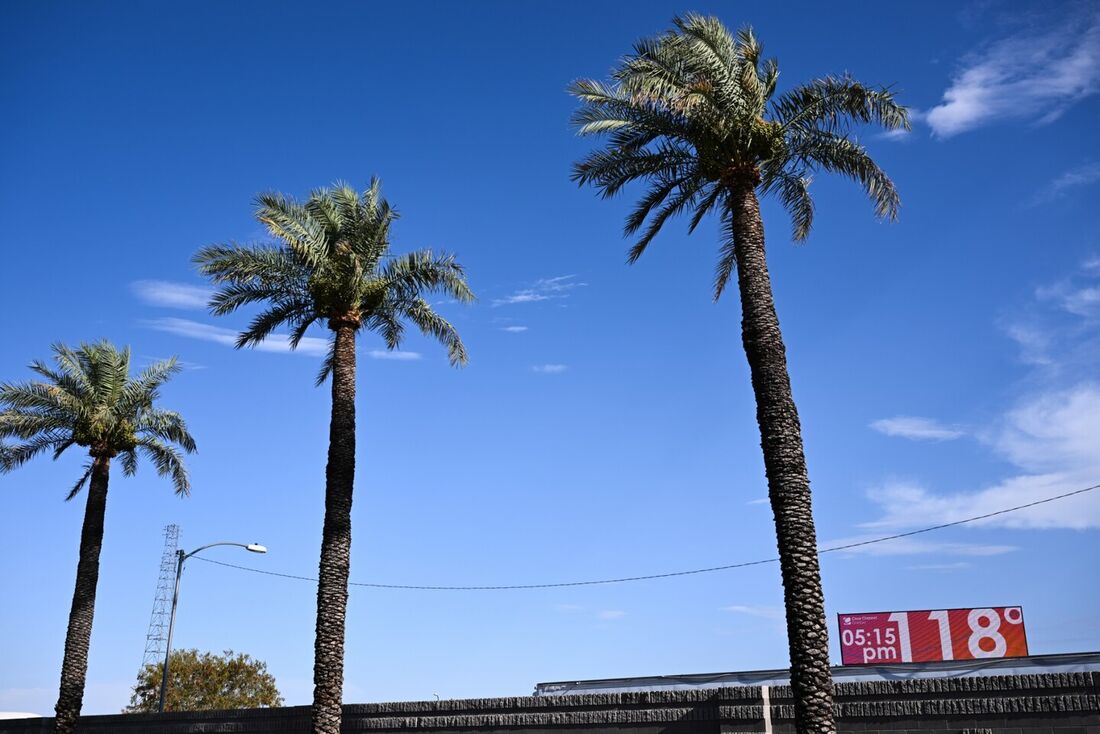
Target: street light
[{"x": 181, "y": 557}]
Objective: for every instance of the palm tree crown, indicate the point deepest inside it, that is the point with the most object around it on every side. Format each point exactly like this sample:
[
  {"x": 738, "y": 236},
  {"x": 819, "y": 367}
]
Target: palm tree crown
[
  {"x": 694, "y": 110},
  {"x": 89, "y": 400},
  {"x": 334, "y": 265}
]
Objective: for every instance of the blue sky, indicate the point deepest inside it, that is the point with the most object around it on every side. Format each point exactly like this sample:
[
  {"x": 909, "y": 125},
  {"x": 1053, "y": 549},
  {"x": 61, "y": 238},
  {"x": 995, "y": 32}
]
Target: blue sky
[{"x": 944, "y": 366}]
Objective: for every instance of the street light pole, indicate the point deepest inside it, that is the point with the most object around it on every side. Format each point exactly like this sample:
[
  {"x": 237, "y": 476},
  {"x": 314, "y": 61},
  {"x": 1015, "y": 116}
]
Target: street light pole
[{"x": 180, "y": 558}]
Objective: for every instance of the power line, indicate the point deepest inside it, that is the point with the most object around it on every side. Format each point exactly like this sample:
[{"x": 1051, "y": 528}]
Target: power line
[{"x": 672, "y": 574}]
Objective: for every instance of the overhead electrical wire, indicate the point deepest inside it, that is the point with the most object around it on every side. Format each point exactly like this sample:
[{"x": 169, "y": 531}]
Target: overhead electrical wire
[{"x": 650, "y": 577}]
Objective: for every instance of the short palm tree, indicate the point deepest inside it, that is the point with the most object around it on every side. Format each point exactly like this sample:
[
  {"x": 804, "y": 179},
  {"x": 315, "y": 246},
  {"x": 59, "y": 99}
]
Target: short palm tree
[
  {"x": 333, "y": 266},
  {"x": 90, "y": 400},
  {"x": 693, "y": 113}
]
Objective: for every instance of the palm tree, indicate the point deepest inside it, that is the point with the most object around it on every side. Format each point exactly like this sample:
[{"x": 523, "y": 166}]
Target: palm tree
[
  {"x": 333, "y": 266},
  {"x": 90, "y": 400},
  {"x": 693, "y": 114}
]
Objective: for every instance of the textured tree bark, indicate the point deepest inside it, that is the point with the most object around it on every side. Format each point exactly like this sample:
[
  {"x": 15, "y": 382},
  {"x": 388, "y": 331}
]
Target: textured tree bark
[
  {"x": 74, "y": 667},
  {"x": 332, "y": 586},
  {"x": 785, "y": 466}
]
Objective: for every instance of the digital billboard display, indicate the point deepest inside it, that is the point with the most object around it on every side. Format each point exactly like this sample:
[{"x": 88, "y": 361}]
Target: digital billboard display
[{"x": 876, "y": 638}]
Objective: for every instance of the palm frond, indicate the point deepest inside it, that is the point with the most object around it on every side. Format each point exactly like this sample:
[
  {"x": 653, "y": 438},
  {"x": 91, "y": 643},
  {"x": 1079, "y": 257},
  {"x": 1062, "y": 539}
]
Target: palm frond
[
  {"x": 138, "y": 394},
  {"x": 22, "y": 423},
  {"x": 15, "y": 455},
  {"x": 332, "y": 265},
  {"x": 835, "y": 103},
  {"x": 293, "y": 312},
  {"x": 295, "y": 225},
  {"x": 682, "y": 198},
  {"x": 694, "y": 112},
  {"x": 432, "y": 324},
  {"x": 86, "y": 472},
  {"x": 167, "y": 425},
  {"x": 423, "y": 271},
  {"x": 89, "y": 400},
  {"x": 168, "y": 462},
  {"x": 838, "y": 154},
  {"x": 727, "y": 255},
  {"x": 129, "y": 462},
  {"x": 792, "y": 188},
  {"x": 326, "y": 363}
]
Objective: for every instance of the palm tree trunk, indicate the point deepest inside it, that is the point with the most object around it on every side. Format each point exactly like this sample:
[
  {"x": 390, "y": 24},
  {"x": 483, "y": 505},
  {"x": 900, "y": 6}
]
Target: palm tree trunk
[
  {"x": 332, "y": 586},
  {"x": 785, "y": 466},
  {"x": 74, "y": 668}
]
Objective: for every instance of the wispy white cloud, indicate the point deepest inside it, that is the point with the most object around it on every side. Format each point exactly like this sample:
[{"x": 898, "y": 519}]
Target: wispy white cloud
[
  {"x": 764, "y": 612},
  {"x": 912, "y": 547},
  {"x": 956, "y": 566},
  {"x": 549, "y": 369},
  {"x": 35, "y": 701},
  {"x": 758, "y": 501},
  {"x": 1028, "y": 76},
  {"x": 514, "y": 329},
  {"x": 1052, "y": 438},
  {"x": 611, "y": 614},
  {"x": 184, "y": 364},
  {"x": 1034, "y": 342},
  {"x": 1075, "y": 298},
  {"x": 1059, "y": 331},
  {"x": 394, "y": 354},
  {"x": 311, "y": 346},
  {"x": 1049, "y": 436},
  {"x": 543, "y": 289},
  {"x": 917, "y": 428},
  {"x": 171, "y": 295},
  {"x": 901, "y": 135},
  {"x": 1084, "y": 175}
]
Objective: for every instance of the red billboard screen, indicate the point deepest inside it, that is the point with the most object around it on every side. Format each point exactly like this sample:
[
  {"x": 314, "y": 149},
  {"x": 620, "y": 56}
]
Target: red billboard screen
[{"x": 876, "y": 638}]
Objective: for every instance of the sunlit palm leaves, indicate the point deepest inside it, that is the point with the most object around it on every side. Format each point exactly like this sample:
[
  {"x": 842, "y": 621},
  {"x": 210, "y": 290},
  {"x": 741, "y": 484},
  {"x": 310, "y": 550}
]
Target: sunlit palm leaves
[
  {"x": 89, "y": 399},
  {"x": 332, "y": 264},
  {"x": 694, "y": 109}
]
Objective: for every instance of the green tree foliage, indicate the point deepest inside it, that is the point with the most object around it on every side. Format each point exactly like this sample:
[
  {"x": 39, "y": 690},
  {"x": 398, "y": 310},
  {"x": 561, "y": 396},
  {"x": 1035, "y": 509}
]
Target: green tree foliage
[
  {"x": 694, "y": 115},
  {"x": 90, "y": 400},
  {"x": 205, "y": 681}
]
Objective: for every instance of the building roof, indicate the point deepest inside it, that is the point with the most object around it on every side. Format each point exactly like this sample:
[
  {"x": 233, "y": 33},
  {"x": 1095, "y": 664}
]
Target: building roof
[{"x": 1029, "y": 665}]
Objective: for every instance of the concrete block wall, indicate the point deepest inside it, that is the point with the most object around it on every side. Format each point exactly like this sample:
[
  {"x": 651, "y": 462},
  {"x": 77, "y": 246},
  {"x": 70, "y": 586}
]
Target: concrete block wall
[{"x": 1065, "y": 703}]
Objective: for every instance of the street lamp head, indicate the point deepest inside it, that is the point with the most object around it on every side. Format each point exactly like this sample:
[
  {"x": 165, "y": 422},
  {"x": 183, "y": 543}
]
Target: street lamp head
[{"x": 256, "y": 548}]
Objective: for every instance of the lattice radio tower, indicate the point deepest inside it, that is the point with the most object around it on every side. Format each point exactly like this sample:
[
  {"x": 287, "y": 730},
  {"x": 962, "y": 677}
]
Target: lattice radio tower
[{"x": 156, "y": 640}]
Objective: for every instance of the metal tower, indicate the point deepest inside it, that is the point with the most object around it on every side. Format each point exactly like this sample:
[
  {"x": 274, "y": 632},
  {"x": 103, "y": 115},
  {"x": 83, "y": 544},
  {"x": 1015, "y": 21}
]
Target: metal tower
[{"x": 156, "y": 640}]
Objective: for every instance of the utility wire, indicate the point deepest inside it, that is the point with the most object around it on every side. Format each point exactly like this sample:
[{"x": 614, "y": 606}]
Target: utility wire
[{"x": 650, "y": 577}]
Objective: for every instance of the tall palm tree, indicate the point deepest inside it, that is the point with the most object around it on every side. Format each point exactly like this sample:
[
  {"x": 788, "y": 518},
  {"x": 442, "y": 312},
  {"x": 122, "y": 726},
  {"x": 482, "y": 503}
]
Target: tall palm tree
[
  {"x": 333, "y": 266},
  {"x": 693, "y": 114},
  {"x": 90, "y": 400}
]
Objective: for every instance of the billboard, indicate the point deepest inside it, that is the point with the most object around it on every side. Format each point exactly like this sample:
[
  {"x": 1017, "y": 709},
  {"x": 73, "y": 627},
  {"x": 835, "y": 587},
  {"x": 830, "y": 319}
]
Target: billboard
[{"x": 877, "y": 638}]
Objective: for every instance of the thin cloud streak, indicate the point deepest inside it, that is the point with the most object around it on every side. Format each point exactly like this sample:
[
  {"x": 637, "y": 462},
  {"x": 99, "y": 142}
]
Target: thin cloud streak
[
  {"x": 1028, "y": 77},
  {"x": 279, "y": 343},
  {"x": 1053, "y": 439},
  {"x": 911, "y": 547},
  {"x": 916, "y": 428},
  {"x": 543, "y": 289},
  {"x": 957, "y": 566},
  {"x": 1061, "y": 186},
  {"x": 549, "y": 369},
  {"x": 762, "y": 612},
  {"x": 172, "y": 295},
  {"x": 394, "y": 354},
  {"x": 309, "y": 345}
]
